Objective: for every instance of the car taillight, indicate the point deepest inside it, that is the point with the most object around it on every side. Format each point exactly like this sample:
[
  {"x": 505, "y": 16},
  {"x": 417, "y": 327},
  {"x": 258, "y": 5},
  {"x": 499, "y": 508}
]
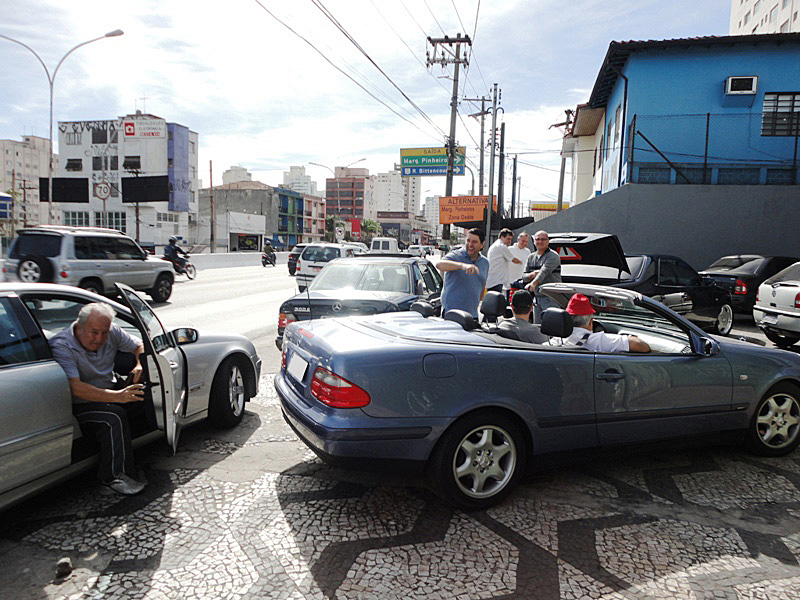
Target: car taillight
[
  {"x": 337, "y": 392},
  {"x": 297, "y": 265},
  {"x": 797, "y": 301},
  {"x": 740, "y": 287},
  {"x": 285, "y": 318}
]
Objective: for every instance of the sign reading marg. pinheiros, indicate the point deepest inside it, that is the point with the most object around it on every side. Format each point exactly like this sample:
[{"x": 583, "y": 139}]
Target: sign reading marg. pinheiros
[{"x": 430, "y": 157}]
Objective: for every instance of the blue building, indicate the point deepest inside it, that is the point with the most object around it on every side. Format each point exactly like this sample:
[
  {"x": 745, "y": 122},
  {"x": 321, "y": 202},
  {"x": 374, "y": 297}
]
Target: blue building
[{"x": 699, "y": 111}]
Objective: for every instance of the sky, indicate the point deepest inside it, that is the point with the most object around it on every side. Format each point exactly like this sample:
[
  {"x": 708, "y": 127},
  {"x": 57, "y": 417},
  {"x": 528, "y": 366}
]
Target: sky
[{"x": 272, "y": 83}]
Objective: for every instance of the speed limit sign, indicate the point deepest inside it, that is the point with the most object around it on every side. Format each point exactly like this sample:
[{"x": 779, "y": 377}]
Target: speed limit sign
[{"x": 102, "y": 190}]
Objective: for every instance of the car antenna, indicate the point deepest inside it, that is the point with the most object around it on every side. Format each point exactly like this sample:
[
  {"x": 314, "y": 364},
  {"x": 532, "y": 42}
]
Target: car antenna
[{"x": 308, "y": 301}]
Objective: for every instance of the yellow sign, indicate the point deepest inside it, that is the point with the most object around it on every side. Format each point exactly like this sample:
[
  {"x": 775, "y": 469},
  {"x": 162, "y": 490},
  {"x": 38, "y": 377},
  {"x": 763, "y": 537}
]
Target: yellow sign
[
  {"x": 439, "y": 150},
  {"x": 455, "y": 209}
]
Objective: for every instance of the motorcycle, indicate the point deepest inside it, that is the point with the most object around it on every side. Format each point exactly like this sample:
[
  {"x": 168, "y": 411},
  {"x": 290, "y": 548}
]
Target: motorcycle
[
  {"x": 188, "y": 269},
  {"x": 267, "y": 258}
]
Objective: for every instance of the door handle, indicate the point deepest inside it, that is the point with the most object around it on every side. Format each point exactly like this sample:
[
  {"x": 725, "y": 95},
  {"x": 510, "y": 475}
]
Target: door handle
[
  {"x": 610, "y": 376},
  {"x": 173, "y": 365}
]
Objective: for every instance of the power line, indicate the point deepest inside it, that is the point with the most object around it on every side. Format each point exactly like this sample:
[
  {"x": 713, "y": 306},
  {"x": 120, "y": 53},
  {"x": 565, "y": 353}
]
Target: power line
[
  {"x": 455, "y": 8},
  {"x": 410, "y": 14},
  {"x": 434, "y": 17},
  {"x": 330, "y": 62}
]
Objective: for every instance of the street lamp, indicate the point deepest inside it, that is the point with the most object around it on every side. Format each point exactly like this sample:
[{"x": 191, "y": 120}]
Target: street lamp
[{"x": 51, "y": 79}]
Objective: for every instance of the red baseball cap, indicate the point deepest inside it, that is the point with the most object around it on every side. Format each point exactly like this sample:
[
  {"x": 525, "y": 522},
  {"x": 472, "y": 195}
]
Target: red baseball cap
[{"x": 579, "y": 305}]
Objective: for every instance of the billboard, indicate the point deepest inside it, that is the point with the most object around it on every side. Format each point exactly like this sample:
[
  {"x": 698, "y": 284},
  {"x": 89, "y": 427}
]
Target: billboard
[
  {"x": 65, "y": 189},
  {"x": 455, "y": 209},
  {"x": 154, "y": 188}
]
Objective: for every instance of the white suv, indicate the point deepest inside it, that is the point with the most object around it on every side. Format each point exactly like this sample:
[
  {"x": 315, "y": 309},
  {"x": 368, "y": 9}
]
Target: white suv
[
  {"x": 316, "y": 256},
  {"x": 93, "y": 258}
]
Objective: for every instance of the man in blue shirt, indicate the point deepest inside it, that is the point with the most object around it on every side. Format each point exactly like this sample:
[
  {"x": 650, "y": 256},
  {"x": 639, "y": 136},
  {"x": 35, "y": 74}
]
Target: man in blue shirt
[{"x": 465, "y": 271}]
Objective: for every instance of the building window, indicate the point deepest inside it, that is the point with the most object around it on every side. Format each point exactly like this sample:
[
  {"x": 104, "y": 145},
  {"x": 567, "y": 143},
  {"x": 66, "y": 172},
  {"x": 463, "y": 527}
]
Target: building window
[
  {"x": 773, "y": 14},
  {"x": 781, "y": 114},
  {"x": 77, "y": 218},
  {"x": 113, "y": 220},
  {"x": 99, "y": 136},
  {"x": 191, "y": 147},
  {"x": 74, "y": 164},
  {"x": 785, "y": 4},
  {"x": 747, "y": 17},
  {"x": 756, "y": 6},
  {"x": 115, "y": 163},
  {"x": 73, "y": 139},
  {"x": 653, "y": 175},
  {"x": 167, "y": 217},
  {"x": 132, "y": 163},
  {"x": 785, "y": 26},
  {"x": 738, "y": 176}
]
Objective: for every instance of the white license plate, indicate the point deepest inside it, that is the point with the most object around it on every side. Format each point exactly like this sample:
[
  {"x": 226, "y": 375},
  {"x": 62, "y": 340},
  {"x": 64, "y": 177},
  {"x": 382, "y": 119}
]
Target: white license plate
[
  {"x": 769, "y": 319},
  {"x": 297, "y": 367}
]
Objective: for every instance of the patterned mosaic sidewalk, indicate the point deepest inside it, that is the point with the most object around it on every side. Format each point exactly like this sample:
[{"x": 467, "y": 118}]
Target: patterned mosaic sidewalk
[{"x": 253, "y": 514}]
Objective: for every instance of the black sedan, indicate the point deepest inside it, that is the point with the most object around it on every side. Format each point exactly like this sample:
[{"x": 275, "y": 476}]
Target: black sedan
[
  {"x": 741, "y": 274},
  {"x": 367, "y": 284},
  {"x": 597, "y": 258}
]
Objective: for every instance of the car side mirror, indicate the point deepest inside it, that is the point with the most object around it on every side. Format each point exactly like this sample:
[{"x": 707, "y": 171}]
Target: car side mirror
[
  {"x": 709, "y": 347},
  {"x": 185, "y": 335}
]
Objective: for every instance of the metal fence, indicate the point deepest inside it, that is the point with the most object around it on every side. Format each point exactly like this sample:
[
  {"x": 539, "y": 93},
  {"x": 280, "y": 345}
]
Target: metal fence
[{"x": 709, "y": 149}]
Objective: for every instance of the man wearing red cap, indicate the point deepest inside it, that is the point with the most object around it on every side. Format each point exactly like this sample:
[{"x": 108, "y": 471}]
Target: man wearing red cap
[{"x": 581, "y": 310}]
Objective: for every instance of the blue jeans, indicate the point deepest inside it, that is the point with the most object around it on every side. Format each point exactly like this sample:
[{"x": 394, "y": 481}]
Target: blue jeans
[{"x": 542, "y": 303}]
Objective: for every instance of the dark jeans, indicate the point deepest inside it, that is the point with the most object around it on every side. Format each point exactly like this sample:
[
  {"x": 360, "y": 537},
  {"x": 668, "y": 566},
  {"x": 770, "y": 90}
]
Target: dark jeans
[
  {"x": 495, "y": 288},
  {"x": 109, "y": 425}
]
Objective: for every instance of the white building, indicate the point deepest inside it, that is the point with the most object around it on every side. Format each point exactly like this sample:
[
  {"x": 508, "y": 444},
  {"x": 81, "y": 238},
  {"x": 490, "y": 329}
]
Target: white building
[
  {"x": 412, "y": 187},
  {"x": 389, "y": 192},
  {"x": 296, "y": 179},
  {"x": 119, "y": 160},
  {"x": 431, "y": 213},
  {"x": 236, "y": 174},
  {"x": 764, "y": 16},
  {"x": 23, "y": 163}
]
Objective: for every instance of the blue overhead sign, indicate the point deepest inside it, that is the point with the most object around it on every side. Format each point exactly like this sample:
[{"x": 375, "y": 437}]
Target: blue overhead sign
[{"x": 418, "y": 171}]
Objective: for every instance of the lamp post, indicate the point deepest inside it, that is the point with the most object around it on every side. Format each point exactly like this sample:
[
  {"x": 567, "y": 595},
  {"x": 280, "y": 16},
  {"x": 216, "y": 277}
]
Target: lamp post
[{"x": 51, "y": 80}]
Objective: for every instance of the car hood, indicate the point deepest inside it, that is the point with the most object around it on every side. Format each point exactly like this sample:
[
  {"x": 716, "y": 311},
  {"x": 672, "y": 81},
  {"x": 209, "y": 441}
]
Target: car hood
[
  {"x": 344, "y": 295},
  {"x": 601, "y": 249}
]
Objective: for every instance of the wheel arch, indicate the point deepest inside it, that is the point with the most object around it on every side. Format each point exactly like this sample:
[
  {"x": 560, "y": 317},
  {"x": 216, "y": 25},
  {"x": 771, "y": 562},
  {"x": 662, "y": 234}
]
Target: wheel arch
[
  {"x": 94, "y": 278},
  {"x": 247, "y": 369}
]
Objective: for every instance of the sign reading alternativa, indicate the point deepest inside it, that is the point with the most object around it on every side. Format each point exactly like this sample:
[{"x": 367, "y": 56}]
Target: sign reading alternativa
[{"x": 455, "y": 209}]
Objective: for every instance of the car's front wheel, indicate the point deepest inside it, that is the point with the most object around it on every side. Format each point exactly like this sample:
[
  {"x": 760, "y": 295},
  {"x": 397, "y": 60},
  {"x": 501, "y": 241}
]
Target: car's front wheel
[
  {"x": 228, "y": 394},
  {"x": 724, "y": 322},
  {"x": 479, "y": 460},
  {"x": 782, "y": 340},
  {"x": 775, "y": 427},
  {"x": 162, "y": 290}
]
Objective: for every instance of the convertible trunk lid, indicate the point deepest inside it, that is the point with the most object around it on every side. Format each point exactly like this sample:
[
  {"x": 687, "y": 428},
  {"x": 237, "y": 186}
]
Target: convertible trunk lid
[{"x": 602, "y": 249}]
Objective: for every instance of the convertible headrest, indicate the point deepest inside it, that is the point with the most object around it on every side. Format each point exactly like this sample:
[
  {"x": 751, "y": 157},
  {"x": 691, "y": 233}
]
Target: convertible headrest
[
  {"x": 493, "y": 304},
  {"x": 556, "y": 322},
  {"x": 462, "y": 317},
  {"x": 424, "y": 308}
]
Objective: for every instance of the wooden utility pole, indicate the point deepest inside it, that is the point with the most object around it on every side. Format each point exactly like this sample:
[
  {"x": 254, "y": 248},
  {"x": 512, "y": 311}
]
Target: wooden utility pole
[
  {"x": 491, "y": 167},
  {"x": 483, "y": 100},
  {"x": 446, "y": 44},
  {"x": 213, "y": 236}
]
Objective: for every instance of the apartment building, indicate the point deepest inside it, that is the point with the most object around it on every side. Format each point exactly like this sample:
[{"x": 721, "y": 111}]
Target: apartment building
[{"x": 764, "y": 16}]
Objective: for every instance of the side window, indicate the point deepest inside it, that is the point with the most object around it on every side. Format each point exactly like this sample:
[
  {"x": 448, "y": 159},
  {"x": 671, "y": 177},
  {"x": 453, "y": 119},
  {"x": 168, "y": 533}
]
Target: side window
[
  {"x": 55, "y": 313},
  {"x": 83, "y": 248},
  {"x": 686, "y": 274},
  {"x": 126, "y": 250},
  {"x": 103, "y": 248},
  {"x": 16, "y": 346},
  {"x": 430, "y": 284}
]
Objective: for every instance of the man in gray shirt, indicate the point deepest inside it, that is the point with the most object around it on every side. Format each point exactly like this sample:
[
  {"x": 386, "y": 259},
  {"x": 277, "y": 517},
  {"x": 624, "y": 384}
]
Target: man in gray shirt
[
  {"x": 521, "y": 306},
  {"x": 86, "y": 351},
  {"x": 542, "y": 266}
]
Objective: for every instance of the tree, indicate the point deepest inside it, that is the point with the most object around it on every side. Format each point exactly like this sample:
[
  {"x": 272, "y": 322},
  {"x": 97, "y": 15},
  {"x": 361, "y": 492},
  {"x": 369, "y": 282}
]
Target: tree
[
  {"x": 370, "y": 229},
  {"x": 331, "y": 223}
]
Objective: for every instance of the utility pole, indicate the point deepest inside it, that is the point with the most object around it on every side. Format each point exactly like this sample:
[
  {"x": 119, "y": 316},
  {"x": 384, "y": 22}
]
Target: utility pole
[
  {"x": 491, "y": 167},
  {"x": 447, "y": 43},
  {"x": 483, "y": 100},
  {"x": 501, "y": 173},
  {"x": 514, "y": 189},
  {"x": 212, "y": 238},
  {"x": 566, "y": 124}
]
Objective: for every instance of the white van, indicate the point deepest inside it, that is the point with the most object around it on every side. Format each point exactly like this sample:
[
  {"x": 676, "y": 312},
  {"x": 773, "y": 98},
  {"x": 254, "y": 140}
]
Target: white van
[{"x": 384, "y": 245}]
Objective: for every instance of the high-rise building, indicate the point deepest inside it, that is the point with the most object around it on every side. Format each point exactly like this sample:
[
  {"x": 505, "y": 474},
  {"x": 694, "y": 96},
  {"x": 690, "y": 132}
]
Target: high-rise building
[
  {"x": 412, "y": 187},
  {"x": 235, "y": 175},
  {"x": 296, "y": 179},
  {"x": 764, "y": 16},
  {"x": 389, "y": 192},
  {"x": 137, "y": 174},
  {"x": 23, "y": 163},
  {"x": 431, "y": 213},
  {"x": 348, "y": 194}
]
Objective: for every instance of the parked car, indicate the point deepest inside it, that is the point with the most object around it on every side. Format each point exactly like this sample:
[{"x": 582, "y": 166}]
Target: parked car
[
  {"x": 93, "y": 258},
  {"x": 316, "y": 256},
  {"x": 741, "y": 274},
  {"x": 294, "y": 254},
  {"x": 777, "y": 307},
  {"x": 363, "y": 285},
  {"x": 416, "y": 250},
  {"x": 191, "y": 376},
  {"x": 474, "y": 408},
  {"x": 597, "y": 258}
]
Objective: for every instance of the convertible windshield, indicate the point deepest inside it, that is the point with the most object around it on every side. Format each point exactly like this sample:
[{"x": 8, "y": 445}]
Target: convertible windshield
[
  {"x": 625, "y": 311},
  {"x": 377, "y": 278}
]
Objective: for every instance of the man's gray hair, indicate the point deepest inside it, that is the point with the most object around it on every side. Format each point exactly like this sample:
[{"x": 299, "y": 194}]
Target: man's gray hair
[
  {"x": 95, "y": 308},
  {"x": 581, "y": 320}
]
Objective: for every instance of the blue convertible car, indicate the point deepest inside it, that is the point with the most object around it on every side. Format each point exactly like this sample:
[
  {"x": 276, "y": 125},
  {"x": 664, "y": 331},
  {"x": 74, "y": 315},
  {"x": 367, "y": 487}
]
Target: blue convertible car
[{"x": 474, "y": 407}]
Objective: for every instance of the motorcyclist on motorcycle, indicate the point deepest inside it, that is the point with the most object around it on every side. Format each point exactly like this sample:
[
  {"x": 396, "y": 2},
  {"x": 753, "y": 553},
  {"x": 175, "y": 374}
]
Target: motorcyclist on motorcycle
[
  {"x": 173, "y": 252},
  {"x": 268, "y": 249}
]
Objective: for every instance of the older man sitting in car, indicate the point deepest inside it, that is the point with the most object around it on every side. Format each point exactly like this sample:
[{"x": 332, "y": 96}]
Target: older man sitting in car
[
  {"x": 583, "y": 336},
  {"x": 86, "y": 350}
]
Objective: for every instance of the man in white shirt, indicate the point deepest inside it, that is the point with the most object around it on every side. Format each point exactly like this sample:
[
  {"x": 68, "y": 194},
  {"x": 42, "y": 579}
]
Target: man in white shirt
[
  {"x": 581, "y": 310},
  {"x": 500, "y": 258},
  {"x": 521, "y": 251}
]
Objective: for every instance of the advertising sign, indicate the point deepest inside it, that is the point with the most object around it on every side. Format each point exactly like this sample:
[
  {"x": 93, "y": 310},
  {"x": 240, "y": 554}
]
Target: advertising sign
[
  {"x": 145, "y": 128},
  {"x": 454, "y": 209}
]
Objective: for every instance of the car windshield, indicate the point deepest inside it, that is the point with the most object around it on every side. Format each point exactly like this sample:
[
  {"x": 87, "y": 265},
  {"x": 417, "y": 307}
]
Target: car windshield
[
  {"x": 623, "y": 311},
  {"x": 376, "y": 278},
  {"x": 743, "y": 264},
  {"x": 320, "y": 253},
  {"x": 788, "y": 274},
  {"x": 37, "y": 244}
]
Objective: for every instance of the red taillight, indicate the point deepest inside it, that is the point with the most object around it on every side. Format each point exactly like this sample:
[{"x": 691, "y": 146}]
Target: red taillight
[
  {"x": 797, "y": 301},
  {"x": 285, "y": 318},
  {"x": 756, "y": 290},
  {"x": 337, "y": 392},
  {"x": 740, "y": 287}
]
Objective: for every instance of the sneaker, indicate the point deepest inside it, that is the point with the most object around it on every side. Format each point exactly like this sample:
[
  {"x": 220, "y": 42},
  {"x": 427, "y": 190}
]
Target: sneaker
[{"x": 122, "y": 484}]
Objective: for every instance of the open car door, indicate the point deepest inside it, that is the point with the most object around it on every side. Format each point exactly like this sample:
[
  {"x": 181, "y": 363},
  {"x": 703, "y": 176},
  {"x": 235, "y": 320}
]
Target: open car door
[{"x": 164, "y": 364}]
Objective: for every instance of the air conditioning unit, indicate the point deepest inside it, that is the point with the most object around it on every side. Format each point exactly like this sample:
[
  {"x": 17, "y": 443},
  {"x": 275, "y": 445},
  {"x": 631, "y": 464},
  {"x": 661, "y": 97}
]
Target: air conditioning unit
[{"x": 741, "y": 85}]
